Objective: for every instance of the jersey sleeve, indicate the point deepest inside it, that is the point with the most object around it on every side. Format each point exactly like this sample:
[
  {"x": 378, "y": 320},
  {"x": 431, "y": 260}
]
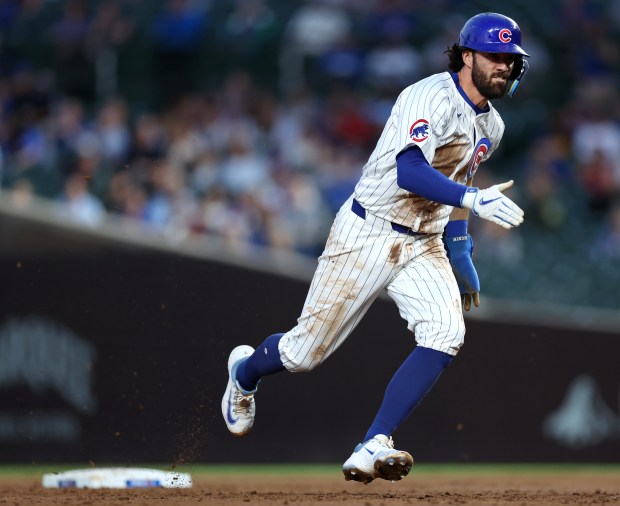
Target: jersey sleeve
[{"x": 422, "y": 109}]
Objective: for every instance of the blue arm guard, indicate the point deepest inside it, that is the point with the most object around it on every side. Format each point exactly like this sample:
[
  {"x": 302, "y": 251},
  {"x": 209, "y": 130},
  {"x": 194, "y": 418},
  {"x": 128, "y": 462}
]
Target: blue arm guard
[{"x": 459, "y": 248}]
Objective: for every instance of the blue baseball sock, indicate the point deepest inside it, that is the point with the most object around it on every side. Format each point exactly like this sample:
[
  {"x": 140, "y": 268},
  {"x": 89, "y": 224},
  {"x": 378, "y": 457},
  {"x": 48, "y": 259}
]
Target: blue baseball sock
[
  {"x": 264, "y": 361},
  {"x": 413, "y": 380}
]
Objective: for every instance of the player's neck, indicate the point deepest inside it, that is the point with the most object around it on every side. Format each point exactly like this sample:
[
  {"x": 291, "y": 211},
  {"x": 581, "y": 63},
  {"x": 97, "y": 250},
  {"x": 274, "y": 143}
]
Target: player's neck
[{"x": 470, "y": 89}]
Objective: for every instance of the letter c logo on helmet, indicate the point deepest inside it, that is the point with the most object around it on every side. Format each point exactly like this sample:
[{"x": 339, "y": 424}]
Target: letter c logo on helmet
[
  {"x": 505, "y": 35},
  {"x": 492, "y": 33}
]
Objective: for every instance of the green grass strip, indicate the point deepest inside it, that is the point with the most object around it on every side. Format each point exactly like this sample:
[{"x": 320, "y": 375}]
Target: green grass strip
[{"x": 321, "y": 470}]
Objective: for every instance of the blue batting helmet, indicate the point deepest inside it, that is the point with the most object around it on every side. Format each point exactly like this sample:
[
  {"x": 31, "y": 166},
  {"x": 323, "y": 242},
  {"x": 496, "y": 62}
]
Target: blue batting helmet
[{"x": 492, "y": 33}]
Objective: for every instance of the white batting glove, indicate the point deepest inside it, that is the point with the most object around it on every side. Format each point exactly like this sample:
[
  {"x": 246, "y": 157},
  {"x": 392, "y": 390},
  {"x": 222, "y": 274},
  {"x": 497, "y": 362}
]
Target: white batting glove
[{"x": 491, "y": 204}]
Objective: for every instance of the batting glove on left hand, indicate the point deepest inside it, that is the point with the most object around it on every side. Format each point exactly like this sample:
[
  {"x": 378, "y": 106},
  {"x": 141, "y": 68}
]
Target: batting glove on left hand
[
  {"x": 459, "y": 250},
  {"x": 491, "y": 204}
]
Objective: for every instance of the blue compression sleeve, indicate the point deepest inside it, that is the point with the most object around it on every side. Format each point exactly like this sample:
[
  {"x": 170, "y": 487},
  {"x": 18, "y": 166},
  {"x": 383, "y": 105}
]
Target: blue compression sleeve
[{"x": 414, "y": 174}]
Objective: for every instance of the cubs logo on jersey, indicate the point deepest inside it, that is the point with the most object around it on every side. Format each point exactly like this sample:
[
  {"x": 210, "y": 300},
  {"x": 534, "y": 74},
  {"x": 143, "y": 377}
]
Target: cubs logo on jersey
[
  {"x": 420, "y": 131},
  {"x": 482, "y": 148}
]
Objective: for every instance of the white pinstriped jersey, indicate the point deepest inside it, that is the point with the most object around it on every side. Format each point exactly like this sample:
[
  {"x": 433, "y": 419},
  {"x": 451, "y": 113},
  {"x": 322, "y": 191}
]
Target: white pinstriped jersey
[
  {"x": 365, "y": 256},
  {"x": 454, "y": 135}
]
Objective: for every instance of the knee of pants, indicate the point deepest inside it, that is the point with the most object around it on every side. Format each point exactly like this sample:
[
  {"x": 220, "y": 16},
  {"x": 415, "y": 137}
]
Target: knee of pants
[
  {"x": 447, "y": 340},
  {"x": 298, "y": 356},
  {"x": 305, "y": 365},
  {"x": 302, "y": 362}
]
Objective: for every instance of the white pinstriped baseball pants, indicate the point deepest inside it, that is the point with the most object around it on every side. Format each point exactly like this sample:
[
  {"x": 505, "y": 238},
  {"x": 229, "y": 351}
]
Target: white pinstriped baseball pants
[{"x": 363, "y": 257}]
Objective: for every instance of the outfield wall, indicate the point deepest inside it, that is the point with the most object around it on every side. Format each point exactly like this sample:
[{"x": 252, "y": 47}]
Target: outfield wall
[{"x": 115, "y": 351}]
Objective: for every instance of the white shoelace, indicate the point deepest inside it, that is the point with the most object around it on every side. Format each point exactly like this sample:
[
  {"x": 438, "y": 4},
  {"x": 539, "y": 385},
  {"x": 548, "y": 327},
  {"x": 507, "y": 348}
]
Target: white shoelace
[
  {"x": 388, "y": 444},
  {"x": 242, "y": 403}
]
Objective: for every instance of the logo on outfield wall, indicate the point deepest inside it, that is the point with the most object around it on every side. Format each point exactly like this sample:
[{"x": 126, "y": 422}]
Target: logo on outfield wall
[
  {"x": 583, "y": 419},
  {"x": 39, "y": 357}
]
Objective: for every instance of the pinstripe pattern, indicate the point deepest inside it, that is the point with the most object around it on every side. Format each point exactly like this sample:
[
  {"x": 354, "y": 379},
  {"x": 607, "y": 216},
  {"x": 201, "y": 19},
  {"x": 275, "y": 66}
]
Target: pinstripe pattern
[
  {"x": 428, "y": 298},
  {"x": 454, "y": 130},
  {"x": 364, "y": 256},
  {"x": 361, "y": 259}
]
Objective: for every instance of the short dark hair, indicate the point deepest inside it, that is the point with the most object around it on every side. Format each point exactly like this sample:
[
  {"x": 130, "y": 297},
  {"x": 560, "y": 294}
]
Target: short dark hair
[{"x": 455, "y": 57}]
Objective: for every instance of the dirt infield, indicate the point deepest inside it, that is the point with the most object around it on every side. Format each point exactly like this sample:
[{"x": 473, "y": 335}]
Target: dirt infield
[{"x": 442, "y": 489}]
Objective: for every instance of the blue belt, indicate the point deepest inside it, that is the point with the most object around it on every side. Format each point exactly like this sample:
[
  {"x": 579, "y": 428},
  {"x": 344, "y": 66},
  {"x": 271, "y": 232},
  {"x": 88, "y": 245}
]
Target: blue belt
[{"x": 357, "y": 208}]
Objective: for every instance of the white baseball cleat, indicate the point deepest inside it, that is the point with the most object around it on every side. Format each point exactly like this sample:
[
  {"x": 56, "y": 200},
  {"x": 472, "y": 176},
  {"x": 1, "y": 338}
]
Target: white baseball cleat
[
  {"x": 377, "y": 458},
  {"x": 238, "y": 405}
]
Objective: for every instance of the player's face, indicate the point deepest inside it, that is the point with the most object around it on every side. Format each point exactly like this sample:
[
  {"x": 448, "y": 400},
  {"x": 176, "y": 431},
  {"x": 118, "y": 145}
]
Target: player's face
[{"x": 490, "y": 73}]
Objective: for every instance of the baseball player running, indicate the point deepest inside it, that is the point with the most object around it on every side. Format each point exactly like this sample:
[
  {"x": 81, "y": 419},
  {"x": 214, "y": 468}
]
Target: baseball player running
[{"x": 404, "y": 230}]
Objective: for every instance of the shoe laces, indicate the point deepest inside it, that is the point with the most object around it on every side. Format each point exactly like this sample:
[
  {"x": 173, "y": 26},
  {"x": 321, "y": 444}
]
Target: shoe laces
[
  {"x": 386, "y": 441},
  {"x": 242, "y": 404}
]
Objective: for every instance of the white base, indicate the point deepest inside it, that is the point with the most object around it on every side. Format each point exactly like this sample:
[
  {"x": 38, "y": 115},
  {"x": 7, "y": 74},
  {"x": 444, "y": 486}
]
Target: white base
[{"x": 117, "y": 477}]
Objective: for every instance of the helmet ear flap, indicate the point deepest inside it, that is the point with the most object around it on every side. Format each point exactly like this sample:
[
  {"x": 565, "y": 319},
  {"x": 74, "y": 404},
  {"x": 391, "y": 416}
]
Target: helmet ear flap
[
  {"x": 514, "y": 82},
  {"x": 516, "y": 69}
]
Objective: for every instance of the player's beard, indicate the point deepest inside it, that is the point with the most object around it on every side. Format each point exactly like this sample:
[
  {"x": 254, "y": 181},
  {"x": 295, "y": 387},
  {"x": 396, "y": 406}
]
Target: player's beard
[{"x": 488, "y": 88}]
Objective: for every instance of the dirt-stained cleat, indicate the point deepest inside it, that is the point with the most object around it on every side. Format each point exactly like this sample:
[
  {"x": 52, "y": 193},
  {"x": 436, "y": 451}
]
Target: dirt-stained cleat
[
  {"x": 238, "y": 405},
  {"x": 377, "y": 458}
]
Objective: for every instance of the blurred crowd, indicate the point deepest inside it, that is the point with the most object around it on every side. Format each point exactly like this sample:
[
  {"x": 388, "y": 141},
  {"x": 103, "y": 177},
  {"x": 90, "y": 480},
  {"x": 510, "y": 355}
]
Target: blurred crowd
[{"x": 252, "y": 119}]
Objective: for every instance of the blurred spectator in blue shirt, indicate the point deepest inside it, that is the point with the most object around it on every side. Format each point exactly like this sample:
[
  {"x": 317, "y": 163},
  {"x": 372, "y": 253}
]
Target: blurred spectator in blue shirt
[{"x": 177, "y": 32}]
